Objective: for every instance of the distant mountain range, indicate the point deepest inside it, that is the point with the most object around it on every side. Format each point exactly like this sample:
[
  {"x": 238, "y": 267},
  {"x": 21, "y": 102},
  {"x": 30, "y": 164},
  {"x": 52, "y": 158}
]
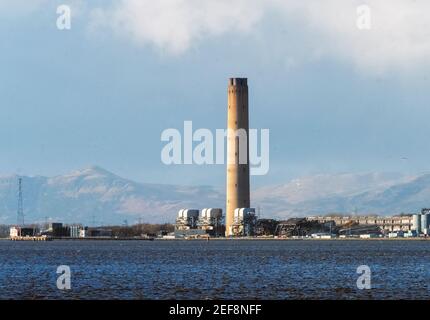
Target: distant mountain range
[{"x": 95, "y": 195}]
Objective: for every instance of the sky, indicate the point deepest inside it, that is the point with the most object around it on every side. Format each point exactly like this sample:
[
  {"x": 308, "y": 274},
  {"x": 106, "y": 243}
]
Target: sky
[{"x": 336, "y": 98}]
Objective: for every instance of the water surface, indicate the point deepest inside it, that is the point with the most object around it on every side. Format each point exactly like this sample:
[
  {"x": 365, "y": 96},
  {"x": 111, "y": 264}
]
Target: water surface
[{"x": 245, "y": 269}]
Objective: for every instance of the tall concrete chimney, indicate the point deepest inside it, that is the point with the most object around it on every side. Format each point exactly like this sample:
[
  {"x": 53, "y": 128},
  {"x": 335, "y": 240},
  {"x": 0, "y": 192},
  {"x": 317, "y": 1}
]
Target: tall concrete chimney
[{"x": 238, "y": 195}]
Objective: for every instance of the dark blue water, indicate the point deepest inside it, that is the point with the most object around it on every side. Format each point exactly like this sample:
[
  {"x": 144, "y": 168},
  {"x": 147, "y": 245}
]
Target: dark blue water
[{"x": 215, "y": 269}]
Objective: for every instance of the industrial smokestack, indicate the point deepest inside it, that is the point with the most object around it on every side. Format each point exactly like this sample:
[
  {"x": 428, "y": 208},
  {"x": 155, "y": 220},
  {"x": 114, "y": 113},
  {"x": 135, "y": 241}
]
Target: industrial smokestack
[{"x": 238, "y": 195}]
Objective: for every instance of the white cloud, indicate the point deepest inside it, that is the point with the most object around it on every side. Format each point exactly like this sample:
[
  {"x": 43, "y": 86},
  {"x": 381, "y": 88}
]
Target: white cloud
[
  {"x": 173, "y": 25},
  {"x": 399, "y": 37}
]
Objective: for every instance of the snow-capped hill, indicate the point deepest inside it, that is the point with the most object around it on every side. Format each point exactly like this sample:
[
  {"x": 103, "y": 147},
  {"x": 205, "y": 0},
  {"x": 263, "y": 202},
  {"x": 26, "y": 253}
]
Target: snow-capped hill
[
  {"x": 95, "y": 194},
  {"x": 362, "y": 194},
  {"x": 324, "y": 186},
  {"x": 409, "y": 196}
]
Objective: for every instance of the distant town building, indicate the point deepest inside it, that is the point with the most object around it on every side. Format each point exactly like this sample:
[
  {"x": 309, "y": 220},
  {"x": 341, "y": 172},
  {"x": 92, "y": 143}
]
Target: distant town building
[
  {"x": 386, "y": 224},
  {"x": 83, "y": 232},
  {"x": 56, "y": 229},
  {"x": 98, "y": 232},
  {"x": 22, "y": 232},
  {"x": 75, "y": 231}
]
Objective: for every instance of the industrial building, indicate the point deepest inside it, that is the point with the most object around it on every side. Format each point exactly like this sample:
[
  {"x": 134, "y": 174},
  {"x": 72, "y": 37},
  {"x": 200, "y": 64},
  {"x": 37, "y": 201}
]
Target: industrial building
[
  {"x": 362, "y": 230},
  {"x": 385, "y": 224},
  {"x": 186, "y": 224},
  {"x": 56, "y": 230},
  {"x": 420, "y": 222},
  {"x": 192, "y": 223},
  {"x": 244, "y": 223},
  {"x": 405, "y": 225},
  {"x": 211, "y": 220},
  {"x": 302, "y": 227},
  {"x": 75, "y": 231},
  {"x": 187, "y": 219},
  {"x": 97, "y": 233},
  {"x": 265, "y": 227},
  {"x": 23, "y": 232}
]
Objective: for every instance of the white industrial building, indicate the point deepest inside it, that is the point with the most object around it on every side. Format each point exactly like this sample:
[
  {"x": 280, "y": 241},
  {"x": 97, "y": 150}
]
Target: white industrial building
[{"x": 244, "y": 222}]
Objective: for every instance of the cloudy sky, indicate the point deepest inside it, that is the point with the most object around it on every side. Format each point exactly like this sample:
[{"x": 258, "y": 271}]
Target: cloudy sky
[{"x": 336, "y": 97}]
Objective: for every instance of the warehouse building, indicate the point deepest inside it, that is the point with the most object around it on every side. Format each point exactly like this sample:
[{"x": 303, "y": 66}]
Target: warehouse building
[{"x": 386, "y": 224}]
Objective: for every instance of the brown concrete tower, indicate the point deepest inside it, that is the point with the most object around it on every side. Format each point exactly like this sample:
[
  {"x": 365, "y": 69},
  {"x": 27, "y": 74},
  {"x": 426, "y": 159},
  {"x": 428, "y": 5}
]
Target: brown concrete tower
[{"x": 237, "y": 139}]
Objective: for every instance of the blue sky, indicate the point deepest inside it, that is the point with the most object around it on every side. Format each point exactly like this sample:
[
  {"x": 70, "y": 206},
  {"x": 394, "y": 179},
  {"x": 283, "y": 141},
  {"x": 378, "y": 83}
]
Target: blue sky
[{"x": 335, "y": 98}]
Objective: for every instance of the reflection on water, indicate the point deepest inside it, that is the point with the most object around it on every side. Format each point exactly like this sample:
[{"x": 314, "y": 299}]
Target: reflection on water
[{"x": 215, "y": 269}]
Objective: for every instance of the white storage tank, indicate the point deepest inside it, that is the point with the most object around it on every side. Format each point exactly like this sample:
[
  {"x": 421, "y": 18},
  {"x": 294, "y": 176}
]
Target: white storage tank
[
  {"x": 180, "y": 213},
  {"x": 203, "y": 213},
  {"x": 215, "y": 213},
  {"x": 416, "y": 223},
  {"x": 241, "y": 213},
  {"x": 190, "y": 213},
  {"x": 237, "y": 214},
  {"x": 187, "y": 219},
  {"x": 424, "y": 222}
]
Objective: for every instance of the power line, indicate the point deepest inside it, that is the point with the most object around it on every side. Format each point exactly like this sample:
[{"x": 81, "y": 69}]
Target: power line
[{"x": 20, "y": 213}]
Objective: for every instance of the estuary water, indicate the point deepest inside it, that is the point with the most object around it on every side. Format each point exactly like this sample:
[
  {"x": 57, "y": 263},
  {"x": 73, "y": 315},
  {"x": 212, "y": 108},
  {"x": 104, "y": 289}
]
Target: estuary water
[{"x": 216, "y": 269}]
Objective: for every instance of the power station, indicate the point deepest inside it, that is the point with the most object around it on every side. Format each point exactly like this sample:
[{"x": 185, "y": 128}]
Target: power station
[{"x": 240, "y": 219}]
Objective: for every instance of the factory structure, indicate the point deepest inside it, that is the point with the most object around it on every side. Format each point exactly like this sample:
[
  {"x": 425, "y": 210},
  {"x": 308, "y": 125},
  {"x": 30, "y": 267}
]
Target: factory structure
[
  {"x": 210, "y": 222},
  {"x": 240, "y": 218},
  {"x": 57, "y": 230},
  {"x": 246, "y": 223},
  {"x": 242, "y": 221}
]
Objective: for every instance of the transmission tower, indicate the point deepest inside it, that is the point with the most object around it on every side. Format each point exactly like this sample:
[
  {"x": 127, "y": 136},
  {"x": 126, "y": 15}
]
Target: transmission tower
[{"x": 20, "y": 213}]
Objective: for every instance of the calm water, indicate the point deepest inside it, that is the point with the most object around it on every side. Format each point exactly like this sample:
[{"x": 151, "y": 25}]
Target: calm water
[{"x": 215, "y": 269}]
